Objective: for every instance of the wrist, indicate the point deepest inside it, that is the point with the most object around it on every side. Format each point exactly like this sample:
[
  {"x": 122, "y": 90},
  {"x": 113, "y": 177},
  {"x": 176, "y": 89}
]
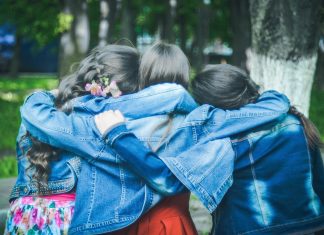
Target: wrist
[{"x": 114, "y": 132}]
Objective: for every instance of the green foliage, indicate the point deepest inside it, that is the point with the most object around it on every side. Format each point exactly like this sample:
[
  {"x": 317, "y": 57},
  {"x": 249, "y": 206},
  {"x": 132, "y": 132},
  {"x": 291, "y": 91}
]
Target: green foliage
[
  {"x": 64, "y": 22},
  {"x": 316, "y": 112},
  {"x": 12, "y": 94},
  {"x": 33, "y": 19},
  {"x": 8, "y": 167}
]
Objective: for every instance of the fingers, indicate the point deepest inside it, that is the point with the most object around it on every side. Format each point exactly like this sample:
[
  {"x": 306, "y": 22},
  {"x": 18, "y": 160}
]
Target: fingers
[
  {"x": 108, "y": 119},
  {"x": 119, "y": 115}
]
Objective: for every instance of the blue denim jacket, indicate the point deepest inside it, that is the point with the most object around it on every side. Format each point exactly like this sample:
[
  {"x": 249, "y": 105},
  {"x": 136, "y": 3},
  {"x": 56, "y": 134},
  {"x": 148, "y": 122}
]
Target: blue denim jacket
[
  {"x": 105, "y": 172},
  {"x": 62, "y": 178},
  {"x": 277, "y": 181}
]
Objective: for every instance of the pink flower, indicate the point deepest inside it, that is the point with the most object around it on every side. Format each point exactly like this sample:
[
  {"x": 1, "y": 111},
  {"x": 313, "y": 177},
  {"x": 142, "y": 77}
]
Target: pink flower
[
  {"x": 94, "y": 88},
  {"x": 98, "y": 90},
  {"x": 114, "y": 90}
]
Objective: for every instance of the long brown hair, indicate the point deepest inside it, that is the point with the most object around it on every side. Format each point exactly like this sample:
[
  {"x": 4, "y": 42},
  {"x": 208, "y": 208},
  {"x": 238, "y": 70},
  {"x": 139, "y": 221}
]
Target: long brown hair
[
  {"x": 311, "y": 132},
  {"x": 118, "y": 63}
]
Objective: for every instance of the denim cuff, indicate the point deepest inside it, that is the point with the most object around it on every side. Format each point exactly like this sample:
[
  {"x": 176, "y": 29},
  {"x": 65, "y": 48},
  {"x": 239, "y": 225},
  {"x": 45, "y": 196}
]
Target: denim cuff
[{"x": 116, "y": 132}]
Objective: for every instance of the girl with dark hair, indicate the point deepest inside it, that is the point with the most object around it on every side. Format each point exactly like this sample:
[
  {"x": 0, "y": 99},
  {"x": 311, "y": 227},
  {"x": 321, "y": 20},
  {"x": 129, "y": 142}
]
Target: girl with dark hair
[
  {"x": 164, "y": 63},
  {"x": 264, "y": 180},
  {"x": 42, "y": 199}
]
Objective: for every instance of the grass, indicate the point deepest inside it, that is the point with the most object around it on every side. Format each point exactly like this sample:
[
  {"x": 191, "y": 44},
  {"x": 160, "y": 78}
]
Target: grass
[
  {"x": 12, "y": 95},
  {"x": 8, "y": 167},
  {"x": 14, "y": 91}
]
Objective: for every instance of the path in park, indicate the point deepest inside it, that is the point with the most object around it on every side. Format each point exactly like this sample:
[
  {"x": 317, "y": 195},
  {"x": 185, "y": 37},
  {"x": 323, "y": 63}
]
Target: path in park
[{"x": 200, "y": 215}]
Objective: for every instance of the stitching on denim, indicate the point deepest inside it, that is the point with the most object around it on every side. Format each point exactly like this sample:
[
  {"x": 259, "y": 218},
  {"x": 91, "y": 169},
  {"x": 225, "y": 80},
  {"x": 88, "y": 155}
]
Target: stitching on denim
[
  {"x": 90, "y": 226},
  {"x": 265, "y": 132},
  {"x": 119, "y": 135},
  {"x": 123, "y": 185},
  {"x": 225, "y": 148},
  {"x": 310, "y": 170},
  {"x": 197, "y": 185},
  {"x": 282, "y": 225},
  {"x": 255, "y": 183},
  {"x": 194, "y": 134},
  {"x": 61, "y": 130},
  {"x": 92, "y": 191},
  {"x": 58, "y": 186}
]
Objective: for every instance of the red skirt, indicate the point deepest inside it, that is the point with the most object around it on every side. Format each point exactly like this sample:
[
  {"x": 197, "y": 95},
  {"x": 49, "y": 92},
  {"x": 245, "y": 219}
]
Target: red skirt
[{"x": 170, "y": 217}]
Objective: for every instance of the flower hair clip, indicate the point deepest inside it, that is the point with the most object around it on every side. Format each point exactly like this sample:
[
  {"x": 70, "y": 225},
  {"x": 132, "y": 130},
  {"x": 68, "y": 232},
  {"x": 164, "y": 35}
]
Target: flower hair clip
[{"x": 104, "y": 88}]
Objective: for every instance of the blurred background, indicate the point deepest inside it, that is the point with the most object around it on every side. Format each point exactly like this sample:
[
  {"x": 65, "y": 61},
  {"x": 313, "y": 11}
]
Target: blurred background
[{"x": 280, "y": 43}]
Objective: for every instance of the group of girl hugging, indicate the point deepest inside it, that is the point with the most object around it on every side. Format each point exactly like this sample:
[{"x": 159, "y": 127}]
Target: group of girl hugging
[{"x": 122, "y": 142}]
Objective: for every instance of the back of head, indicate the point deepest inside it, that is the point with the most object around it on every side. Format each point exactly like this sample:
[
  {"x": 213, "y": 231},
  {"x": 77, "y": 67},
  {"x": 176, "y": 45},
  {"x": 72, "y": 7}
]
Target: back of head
[
  {"x": 224, "y": 86},
  {"x": 116, "y": 62},
  {"x": 227, "y": 87},
  {"x": 164, "y": 63}
]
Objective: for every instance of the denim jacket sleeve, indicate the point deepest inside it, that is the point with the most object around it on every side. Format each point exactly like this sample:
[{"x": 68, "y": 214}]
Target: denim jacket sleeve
[
  {"x": 318, "y": 172},
  {"x": 270, "y": 106},
  {"x": 68, "y": 131},
  {"x": 143, "y": 161},
  {"x": 171, "y": 97},
  {"x": 208, "y": 174}
]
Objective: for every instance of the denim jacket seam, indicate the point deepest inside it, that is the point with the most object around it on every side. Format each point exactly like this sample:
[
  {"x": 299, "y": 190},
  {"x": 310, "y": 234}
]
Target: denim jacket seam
[
  {"x": 65, "y": 131},
  {"x": 276, "y": 128},
  {"x": 44, "y": 93},
  {"x": 195, "y": 183},
  {"x": 112, "y": 140},
  {"x": 123, "y": 185},
  {"x": 255, "y": 183},
  {"x": 140, "y": 95},
  {"x": 70, "y": 133},
  {"x": 226, "y": 147},
  {"x": 282, "y": 225},
  {"x": 252, "y": 114},
  {"x": 92, "y": 192},
  {"x": 89, "y": 226},
  {"x": 310, "y": 169},
  {"x": 220, "y": 190},
  {"x": 248, "y": 115}
]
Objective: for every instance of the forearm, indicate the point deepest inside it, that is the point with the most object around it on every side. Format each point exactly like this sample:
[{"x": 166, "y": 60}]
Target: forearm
[
  {"x": 143, "y": 161},
  {"x": 68, "y": 132},
  {"x": 271, "y": 106}
]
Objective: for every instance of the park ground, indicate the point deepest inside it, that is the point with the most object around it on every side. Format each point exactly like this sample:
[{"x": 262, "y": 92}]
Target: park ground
[{"x": 12, "y": 94}]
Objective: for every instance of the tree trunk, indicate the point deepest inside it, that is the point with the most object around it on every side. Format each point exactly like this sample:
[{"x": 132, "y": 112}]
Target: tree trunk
[
  {"x": 166, "y": 21},
  {"x": 182, "y": 33},
  {"x": 241, "y": 27},
  {"x": 128, "y": 21},
  {"x": 14, "y": 64},
  {"x": 284, "y": 47},
  {"x": 108, "y": 10},
  {"x": 202, "y": 35},
  {"x": 74, "y": 43},
  {"x": 104, "y": 23},
  {"x": 320, "y": 71},
  {"x": 113, "y": 9}
]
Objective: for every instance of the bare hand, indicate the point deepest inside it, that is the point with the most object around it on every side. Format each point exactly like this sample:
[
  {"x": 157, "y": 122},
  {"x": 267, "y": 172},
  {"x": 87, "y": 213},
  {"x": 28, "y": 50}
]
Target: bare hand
[{"x": 108, "y": 120}]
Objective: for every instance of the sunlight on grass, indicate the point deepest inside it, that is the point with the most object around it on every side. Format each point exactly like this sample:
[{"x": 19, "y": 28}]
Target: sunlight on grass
[
  {"x": 12, "y": 95},
  {"x": 8, "y": 166}
]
